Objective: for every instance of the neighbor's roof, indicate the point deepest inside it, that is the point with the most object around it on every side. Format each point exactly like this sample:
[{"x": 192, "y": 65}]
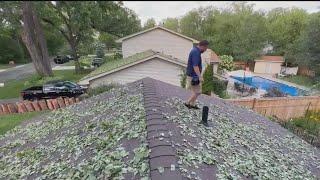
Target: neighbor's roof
[
  {"x": 144, "y": 128},
  {"x": 117, "y": 65},
  {"x": 271, "y": 58},
  {"x": 156, "y": 27},
  {"x": 211, "y": 57}
]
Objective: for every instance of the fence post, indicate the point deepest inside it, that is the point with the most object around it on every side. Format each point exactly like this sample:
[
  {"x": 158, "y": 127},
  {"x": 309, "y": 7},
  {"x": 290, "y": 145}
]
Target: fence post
[
  {"x": 254, "y": 103},
  {"x": 308, "y": 108}
]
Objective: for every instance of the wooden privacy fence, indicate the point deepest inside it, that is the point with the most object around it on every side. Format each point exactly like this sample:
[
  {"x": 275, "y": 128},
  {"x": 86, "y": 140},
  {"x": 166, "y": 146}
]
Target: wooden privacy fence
[
  {"x": 283, "y": 108},
  {"x": 30, "y": 106}
]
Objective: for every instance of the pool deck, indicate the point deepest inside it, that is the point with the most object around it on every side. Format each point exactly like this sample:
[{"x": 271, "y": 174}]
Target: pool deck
[{"x": 269, "y": 77}]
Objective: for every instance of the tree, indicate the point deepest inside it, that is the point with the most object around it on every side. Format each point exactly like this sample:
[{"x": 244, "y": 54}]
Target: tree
[
  {"x": 114, "y": 19},
  {"x": 284, "y": 27},
  {"x": 11, "y": 47},
  {"x": 207, "y": 85},
  {"x": 72, "y": 20},
  {"x": 27, "y": 32},
  {"x": 108, "y": 40},
  {"x": 191, "y": 24},
  {"x": 76, "y": 21},
  {"x": 150, "y": 23},
  {"x": 171, "y": 23},
  {"x": 306, "y": 49},
  {"x": 33, "y": 37},
  {"x": 100, "y": 50},
  {"x": 238, "y": 31}
]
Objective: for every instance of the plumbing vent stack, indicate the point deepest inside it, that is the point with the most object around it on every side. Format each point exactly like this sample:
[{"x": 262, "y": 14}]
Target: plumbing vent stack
[{"x": 205, "y": 111}]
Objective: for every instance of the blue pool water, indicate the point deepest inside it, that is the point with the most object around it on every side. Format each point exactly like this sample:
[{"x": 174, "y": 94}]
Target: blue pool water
[{"x": 265, "y": 84}]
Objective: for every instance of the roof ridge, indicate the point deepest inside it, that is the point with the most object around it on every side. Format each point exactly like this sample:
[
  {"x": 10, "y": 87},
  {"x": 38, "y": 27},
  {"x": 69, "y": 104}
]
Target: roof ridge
[
  {"x": 162, "y": 158},
  {"x": 153, "y": 28}
]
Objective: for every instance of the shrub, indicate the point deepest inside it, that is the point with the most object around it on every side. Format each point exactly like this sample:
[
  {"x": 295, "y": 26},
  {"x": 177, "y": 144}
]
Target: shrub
[
  {"x": 100, "y": 89},
  {"x": 274, "y": 92},
  {"x": 208, "y": 84},
  {"x": 11, "y": 50},
  {"x": 183, "y": 78},
  {"x": 219, "y": 87},
  {"x": 226, "y": 63},
  {"x": 213, "y": 84},
  {"x": 117, "y": 55},
  {"x": 308, "y": 127}
]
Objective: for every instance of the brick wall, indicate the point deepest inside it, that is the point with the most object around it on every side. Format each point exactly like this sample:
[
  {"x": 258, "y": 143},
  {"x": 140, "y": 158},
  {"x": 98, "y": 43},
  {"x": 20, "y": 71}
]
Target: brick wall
[{"x": 30, "y": 106}]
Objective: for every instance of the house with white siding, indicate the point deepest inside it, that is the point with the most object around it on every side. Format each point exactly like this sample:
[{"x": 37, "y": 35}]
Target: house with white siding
[
  {"x": 157, "y": 52},
  {"x": 158, "y": 39}
]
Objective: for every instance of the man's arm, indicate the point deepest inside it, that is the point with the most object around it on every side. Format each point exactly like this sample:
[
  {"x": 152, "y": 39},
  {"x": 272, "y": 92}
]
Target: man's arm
[
  {"x": 197, "y": 70},
  {"x": 195, "y": 63}
]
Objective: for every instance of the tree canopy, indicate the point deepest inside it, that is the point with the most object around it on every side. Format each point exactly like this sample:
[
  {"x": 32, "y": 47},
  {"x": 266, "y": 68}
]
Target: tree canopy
[{"x": 149, "y": 23}]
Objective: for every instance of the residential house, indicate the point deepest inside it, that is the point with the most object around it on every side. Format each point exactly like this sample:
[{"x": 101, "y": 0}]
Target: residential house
[
  {"x": 144, "y": 64},
  {"x": 158, "y": 39},
  {"x": 157, "y": 52},
  {"x": 142, "y": 130},
  {"x": 268, "y": 64},
  {"x": 210, "y": 57}
]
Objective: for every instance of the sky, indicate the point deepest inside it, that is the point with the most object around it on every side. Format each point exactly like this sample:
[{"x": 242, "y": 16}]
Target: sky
[{"x": 162, "y": 9}]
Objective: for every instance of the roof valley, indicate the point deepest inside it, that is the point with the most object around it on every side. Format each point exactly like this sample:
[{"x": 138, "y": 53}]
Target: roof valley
[{"x": 162, "y": 158}]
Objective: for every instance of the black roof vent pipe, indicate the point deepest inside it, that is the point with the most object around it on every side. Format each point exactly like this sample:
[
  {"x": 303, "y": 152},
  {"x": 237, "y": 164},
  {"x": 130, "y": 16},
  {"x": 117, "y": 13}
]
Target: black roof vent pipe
[{"x": 205, "y": 111}]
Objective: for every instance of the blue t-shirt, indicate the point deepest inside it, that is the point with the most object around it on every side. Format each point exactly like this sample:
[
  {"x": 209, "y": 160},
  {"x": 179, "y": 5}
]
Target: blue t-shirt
[{"x": 194, "y": 60}]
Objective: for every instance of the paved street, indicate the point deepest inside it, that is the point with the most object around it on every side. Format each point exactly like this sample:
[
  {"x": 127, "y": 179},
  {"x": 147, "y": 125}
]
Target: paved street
[{"x": 18, "y": 72}]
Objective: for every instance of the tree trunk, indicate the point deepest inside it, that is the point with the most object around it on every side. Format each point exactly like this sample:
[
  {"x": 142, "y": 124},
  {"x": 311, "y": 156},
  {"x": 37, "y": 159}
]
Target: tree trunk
[
  {"x": 33, "y": 37},
  {"x": 73, "y": 46}
]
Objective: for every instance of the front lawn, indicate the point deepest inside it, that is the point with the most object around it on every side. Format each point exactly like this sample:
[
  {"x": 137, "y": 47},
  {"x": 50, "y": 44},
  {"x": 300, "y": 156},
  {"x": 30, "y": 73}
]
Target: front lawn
[
  {"x": 83, "y": 60},
  {"x": 8, "y": 122},
  {"x": 6, "y": 66},
  {"x": 12, "y": 89}
]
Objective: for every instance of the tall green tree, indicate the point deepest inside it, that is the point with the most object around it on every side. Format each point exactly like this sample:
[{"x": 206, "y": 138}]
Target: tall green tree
[
  {"x": 250, "y": 30},
  {"x": 284, "y": 27},
  {"x": 33, "y": 37},
  {"x": 149, "y": 23},
  {"x": 191, "y": 24},
  {"x": 171, "y": 23},
  {"x": 306, "y": 49},
  {"x": 238, "y": 31},
  {"x": 76, "y": 21}
]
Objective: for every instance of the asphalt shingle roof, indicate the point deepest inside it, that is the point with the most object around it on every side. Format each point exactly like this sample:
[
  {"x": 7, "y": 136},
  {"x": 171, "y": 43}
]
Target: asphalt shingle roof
[{"x": 143, "y": 130}]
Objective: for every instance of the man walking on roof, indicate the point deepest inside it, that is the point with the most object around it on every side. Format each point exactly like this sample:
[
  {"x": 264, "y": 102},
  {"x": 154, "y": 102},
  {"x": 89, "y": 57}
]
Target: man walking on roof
[{"x": 194, "y": 68}]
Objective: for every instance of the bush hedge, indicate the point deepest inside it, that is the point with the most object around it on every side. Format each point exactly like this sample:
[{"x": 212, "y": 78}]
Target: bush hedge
[{"x": 213, "y": 84}]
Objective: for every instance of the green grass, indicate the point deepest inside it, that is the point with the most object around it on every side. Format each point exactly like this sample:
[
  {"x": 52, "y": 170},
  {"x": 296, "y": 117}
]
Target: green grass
[
  {"x": 70, "y": 63},
  {"x": 300, "y": 80},
  {"x": 5, "y": 66},
  {"x": 12, "y": 89},
  {"x": 84, "y": 61},
  {"x": 307, "y": 127},
  {"x": 8, "y": 122},
  {"x": 310, "y": 123}
]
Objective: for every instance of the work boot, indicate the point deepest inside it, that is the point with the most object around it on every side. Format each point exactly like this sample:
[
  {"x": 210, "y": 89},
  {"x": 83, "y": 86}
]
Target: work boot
[
  {"x": 194, "y": 107},
  {"x": 188, "y": 105}
]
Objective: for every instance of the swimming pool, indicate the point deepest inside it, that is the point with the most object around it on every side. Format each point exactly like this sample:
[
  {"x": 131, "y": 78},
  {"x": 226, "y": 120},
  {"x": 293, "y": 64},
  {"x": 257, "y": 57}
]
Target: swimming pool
[{"x": 266, "y": 84}]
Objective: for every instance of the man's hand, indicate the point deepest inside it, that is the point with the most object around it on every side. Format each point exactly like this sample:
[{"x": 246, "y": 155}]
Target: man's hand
[{"x": 197, "y": 70}]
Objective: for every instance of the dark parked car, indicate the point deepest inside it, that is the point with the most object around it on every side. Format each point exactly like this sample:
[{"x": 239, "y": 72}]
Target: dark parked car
[
  {"x": 61, "y": 59},
  {"x": 97, "y": 62},
  {"x": 53, "y": 89}
]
